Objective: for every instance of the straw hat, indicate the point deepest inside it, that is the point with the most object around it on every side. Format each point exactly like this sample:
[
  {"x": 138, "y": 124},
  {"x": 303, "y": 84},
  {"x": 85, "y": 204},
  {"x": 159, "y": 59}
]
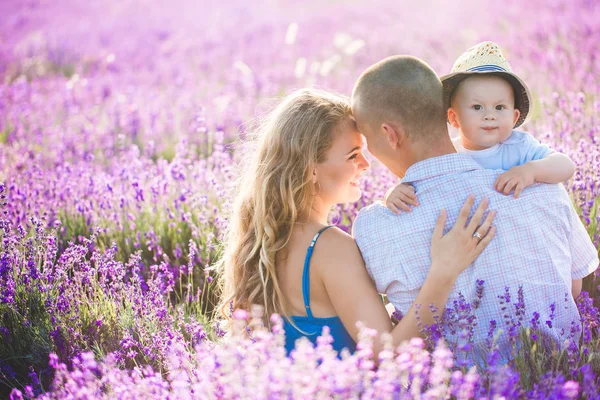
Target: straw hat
[{"x": 487, "y": 58}]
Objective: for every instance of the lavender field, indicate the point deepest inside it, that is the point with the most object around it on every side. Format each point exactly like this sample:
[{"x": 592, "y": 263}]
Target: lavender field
[{"x": 118, "y": 125}]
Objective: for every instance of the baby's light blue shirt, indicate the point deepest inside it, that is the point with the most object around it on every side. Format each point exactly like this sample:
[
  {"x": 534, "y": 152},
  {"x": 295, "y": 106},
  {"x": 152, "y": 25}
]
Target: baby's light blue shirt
[{"x": 519, "y": 148}]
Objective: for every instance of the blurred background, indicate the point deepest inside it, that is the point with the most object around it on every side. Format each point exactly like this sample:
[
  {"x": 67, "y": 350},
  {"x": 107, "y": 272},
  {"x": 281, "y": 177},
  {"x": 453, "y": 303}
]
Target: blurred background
[{"x": 117, "y": 120}]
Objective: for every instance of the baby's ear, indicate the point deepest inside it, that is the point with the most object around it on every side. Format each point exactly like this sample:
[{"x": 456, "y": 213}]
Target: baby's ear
[
  {"x": 452, "y": 118},
  {"x": 517, "y": 115}
]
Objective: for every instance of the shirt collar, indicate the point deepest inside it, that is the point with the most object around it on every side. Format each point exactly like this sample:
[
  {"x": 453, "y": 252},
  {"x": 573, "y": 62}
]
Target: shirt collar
[
  {"x": 479, "y": 153},
  {"x": 436, "y": 166}
]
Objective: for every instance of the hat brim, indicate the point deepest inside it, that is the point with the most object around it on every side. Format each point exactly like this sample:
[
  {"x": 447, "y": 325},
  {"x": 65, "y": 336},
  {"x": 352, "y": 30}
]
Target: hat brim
[{"x": 522, "y": 94}]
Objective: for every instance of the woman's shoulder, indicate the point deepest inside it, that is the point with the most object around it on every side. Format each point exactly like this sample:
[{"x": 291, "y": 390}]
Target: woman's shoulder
[
  {"x": 338, "y": 262},
  {"x": 336, "y": 236},
  {"x": 336, "y": 245}
]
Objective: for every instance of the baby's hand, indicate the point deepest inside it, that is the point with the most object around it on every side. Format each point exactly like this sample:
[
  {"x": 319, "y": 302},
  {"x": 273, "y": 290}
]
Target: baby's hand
[
  {"x": 517, "y": 178},
  {"x": 399, "y": 197}
]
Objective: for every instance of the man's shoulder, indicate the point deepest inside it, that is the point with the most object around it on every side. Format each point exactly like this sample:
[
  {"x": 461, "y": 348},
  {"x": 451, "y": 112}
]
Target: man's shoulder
[
  {"x": 484, "y": 178},
  {"x": 551, "y": 193},
  {"x": 369, "y": 214},
  {"x": 454, "y": 189},
  {"x": 539, "y": 195},
  {"x": 375, "y": 209}
]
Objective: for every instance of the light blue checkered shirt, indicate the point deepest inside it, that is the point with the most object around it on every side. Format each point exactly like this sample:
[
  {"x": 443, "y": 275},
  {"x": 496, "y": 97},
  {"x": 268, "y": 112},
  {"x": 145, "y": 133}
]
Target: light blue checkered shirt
[{"x": 540, "y": 243}]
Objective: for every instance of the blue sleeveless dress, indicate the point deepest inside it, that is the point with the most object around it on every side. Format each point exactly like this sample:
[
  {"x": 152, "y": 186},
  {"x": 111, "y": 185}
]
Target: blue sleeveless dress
[{"x": 312, "y": 326}]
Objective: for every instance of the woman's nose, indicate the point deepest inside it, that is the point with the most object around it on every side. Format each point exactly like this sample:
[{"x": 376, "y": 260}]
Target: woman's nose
[{"x": 365, "y": 163}]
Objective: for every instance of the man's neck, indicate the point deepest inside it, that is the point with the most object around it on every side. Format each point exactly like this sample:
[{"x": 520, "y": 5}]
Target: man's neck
[
  {"x": 422, "y": 152},
  {"x": 411, "y": 153}
]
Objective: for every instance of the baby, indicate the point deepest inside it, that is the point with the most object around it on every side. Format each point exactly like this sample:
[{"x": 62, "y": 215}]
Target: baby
[{"x": 485, "y": 102}]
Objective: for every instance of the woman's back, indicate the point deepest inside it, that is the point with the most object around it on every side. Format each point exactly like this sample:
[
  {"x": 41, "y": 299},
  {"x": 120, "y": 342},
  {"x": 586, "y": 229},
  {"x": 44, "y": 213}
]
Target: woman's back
[
  {"x": 290, "y": 266},
  {"x": 308, "y": 302}
]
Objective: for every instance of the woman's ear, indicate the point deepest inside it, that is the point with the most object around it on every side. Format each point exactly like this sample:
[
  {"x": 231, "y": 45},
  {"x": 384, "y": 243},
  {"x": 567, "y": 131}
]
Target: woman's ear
[
  {"x": 314, "y": 176},
  {"x": 453, "y": 118}
]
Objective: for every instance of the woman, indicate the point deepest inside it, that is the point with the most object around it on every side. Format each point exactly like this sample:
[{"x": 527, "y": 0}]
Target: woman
[{"x": 309, "y": 158}]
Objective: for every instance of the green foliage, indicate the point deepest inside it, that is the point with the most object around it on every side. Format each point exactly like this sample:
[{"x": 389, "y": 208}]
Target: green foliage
[{"x": 86, "y": 299}]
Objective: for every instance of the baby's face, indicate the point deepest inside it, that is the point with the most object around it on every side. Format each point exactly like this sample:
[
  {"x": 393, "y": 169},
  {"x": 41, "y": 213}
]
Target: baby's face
[{"x": 483, "y": 110}]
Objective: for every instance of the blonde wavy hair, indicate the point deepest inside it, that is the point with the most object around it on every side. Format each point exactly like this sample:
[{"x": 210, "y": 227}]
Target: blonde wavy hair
[{"x": 274, "y": 189}]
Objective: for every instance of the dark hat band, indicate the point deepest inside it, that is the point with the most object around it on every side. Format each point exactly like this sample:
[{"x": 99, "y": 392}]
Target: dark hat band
[{"x": 487, "y": 68}]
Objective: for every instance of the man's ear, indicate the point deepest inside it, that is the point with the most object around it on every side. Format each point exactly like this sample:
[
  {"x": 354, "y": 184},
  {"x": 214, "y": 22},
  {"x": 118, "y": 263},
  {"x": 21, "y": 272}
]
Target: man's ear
[
  {"x": 453, "y": 119},
  {"x": 394, "y": 134},
  {"x": 517, "y": 115}
]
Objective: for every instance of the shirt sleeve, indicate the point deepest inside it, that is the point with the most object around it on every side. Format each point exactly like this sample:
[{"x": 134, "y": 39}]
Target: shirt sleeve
[
  {"x": 533, "y": 149},
  {"x": 584, "y": 255},
  {"x": 360, "y": 235},
  {"x": 379, "y": 242}
]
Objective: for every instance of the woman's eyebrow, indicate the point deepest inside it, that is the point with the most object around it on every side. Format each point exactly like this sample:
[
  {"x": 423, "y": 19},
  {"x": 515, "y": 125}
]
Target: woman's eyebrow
[{"x": 354, "y": 149}]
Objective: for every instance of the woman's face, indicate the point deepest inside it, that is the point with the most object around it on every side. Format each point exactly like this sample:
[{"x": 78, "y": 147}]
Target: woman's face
[{"x": 338, "y": 175}]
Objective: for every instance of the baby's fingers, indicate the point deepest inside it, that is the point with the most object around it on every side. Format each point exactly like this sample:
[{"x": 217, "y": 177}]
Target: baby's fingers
[
  {"x": 510, "y": 186},
  {"x": 502, "y": 185},
  {"x": 519, "y": 189},
  {"x": 409, "y": 199},
  {"x": 406, "y": 194},
  {"x": 401, "y": 205},
  {"x": 392, "y": 207},
  {"x": 500, "y": 182}
]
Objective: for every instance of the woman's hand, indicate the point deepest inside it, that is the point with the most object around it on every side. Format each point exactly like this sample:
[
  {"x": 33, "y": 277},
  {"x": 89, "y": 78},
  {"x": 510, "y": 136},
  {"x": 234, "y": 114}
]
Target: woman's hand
[{"x": 453, "y": 252}]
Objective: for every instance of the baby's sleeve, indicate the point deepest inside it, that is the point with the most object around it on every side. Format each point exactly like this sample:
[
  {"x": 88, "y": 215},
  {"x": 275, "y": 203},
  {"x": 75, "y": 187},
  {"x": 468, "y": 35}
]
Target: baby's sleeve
[{"x": 532, "y": 149}]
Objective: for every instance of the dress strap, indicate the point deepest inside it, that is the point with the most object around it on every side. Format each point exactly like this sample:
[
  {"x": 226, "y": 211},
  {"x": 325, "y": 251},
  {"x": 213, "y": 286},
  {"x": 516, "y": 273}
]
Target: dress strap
[{"x": 306, "y": 273}]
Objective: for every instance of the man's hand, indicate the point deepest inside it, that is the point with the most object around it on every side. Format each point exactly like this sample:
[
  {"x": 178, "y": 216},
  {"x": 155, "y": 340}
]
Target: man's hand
[
  {"x": 516, "y": 178},
  {"x": 399, "y": 197}
]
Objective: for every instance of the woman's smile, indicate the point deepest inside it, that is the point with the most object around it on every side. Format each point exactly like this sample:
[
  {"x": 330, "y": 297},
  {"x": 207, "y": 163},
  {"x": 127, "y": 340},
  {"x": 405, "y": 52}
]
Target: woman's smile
[{"x": 355, "y": 182}]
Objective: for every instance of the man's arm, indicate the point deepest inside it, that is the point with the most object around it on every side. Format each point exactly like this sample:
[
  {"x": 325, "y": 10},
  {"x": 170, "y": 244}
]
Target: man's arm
[
  {"x": 576, "y": 286},
  {"x": 377, "y": 252},
  {"x": 584, "y": 256}
]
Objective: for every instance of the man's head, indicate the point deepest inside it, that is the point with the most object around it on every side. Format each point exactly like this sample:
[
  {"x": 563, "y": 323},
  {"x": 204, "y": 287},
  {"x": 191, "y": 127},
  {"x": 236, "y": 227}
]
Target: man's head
[{"x": 398, "y": 107}]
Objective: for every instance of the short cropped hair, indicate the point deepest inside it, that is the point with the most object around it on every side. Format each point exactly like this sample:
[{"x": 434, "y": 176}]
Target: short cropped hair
[{"x": 403, "y": 89}]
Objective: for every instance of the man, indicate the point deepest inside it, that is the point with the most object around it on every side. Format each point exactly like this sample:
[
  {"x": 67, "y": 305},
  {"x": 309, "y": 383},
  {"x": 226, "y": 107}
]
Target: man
[{"x": 541, "y": 246}]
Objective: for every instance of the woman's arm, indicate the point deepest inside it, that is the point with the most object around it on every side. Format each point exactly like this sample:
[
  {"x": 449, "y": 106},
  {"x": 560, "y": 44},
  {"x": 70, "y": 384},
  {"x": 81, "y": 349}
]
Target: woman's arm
[{"x": 355, "y": 298}]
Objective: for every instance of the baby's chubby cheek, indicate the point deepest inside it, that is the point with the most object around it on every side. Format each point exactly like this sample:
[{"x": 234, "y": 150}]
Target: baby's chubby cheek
[{"x": 505, "y": 133}]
